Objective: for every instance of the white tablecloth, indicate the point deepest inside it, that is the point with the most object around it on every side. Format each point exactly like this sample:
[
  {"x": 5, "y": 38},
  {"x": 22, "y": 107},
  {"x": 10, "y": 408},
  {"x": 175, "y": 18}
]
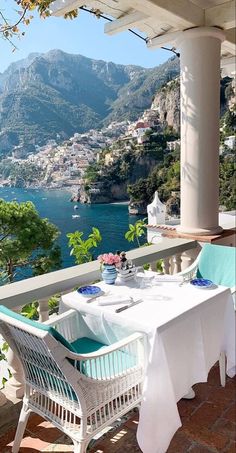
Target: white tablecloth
[{"x": 187, "y": 329}]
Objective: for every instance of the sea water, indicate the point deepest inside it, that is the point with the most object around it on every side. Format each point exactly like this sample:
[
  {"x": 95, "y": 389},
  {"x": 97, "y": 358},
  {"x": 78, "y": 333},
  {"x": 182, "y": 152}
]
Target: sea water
[{"x": 111, "y": 219}]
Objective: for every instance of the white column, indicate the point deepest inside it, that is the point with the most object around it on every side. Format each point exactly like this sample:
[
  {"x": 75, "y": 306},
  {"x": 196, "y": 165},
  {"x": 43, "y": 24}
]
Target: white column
[{"x": 200, "y": 112}]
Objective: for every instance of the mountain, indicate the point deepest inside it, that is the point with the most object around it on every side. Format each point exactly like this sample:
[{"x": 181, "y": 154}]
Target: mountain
[{"x": 59, "y": 93}]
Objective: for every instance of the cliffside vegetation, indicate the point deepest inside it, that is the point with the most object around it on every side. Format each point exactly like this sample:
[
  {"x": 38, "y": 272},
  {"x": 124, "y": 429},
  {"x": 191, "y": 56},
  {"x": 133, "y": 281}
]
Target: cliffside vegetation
[
  {"x": 20, "y": 174},
  {"x": 123, "y": 164},
  {"x": 165, "y": 178}
]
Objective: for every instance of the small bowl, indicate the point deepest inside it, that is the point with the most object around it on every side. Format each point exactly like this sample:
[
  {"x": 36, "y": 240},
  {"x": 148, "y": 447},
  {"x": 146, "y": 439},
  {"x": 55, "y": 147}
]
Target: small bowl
[{"x": 89, "y": 291}]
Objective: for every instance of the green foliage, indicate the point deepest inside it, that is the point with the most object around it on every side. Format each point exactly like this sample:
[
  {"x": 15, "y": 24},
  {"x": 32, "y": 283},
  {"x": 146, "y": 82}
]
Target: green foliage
[
  {"x": 53, "y": 303},
  {"x": 3, "y": 350},
  {"x": 82, "y": 249},
  {"x": 136, "y": 231},
  {"x": 20, "y": 174},
  {"x": 26, "y": 240},
  {"x": 165, "y": 177},
  {"x": 228, "y": 124},
  {"x": 228, "y": 182},
  {"x": 91, "y": 173},
  {"x": 30, "y": 310}
]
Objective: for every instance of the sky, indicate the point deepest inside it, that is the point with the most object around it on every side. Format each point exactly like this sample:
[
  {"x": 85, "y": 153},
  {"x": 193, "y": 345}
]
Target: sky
[{"x": 83, "y": 35}]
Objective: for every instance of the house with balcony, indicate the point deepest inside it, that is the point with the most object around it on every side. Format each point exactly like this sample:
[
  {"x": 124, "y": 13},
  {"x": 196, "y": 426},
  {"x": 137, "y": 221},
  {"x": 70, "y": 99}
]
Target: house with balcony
[{"x": 203, "y": 33}]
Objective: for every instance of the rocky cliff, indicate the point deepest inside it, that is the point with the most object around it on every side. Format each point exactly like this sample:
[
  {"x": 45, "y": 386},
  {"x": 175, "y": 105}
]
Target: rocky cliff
[{"x": 167, "y": 103}]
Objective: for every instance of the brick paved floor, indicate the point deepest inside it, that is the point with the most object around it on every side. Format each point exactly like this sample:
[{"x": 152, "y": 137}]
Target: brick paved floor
[{"x": 209, "y": 425}]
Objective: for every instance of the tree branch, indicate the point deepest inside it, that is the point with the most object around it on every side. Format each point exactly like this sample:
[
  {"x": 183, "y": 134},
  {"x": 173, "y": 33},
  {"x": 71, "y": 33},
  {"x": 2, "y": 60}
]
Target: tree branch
[{"x": 11, "y": 27}]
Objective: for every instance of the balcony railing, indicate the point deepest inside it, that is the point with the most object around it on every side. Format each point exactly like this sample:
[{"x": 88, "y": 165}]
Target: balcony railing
[{"x": 177, "y": 254}]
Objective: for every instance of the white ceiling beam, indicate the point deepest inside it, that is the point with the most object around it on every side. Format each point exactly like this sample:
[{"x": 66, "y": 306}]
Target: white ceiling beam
[
  {"x": 166, "y": 38},
  {"x": 123, "y": 23},
  {"x": 221, "y": 16},
  {"x": 62, "y": 7},
  {"x": 177, "y": 13}
]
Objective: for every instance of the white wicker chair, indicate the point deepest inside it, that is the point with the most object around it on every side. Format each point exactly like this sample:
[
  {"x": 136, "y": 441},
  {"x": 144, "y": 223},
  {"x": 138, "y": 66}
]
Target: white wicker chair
[{"x": 79, "y": 393}]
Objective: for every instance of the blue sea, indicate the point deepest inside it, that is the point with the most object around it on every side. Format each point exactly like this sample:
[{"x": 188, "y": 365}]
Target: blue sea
[{"x": 111, "y": 219}]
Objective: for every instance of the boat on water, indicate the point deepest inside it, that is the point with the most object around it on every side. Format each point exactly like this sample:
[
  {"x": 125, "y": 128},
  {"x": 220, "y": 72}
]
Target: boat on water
[
  {"x": 76, "y": 207},
  {"x": 75, "y": 216}
]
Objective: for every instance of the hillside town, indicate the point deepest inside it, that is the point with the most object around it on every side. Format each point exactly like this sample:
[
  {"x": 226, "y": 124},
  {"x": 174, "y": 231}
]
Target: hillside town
[{"x": 63, "y": 165}]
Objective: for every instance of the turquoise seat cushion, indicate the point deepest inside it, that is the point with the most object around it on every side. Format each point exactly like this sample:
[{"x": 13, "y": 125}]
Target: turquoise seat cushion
[
  {"x": 115, "y": 363},
  {"x": 217, "y": 263},
  {"x": 86, "y": 345}
]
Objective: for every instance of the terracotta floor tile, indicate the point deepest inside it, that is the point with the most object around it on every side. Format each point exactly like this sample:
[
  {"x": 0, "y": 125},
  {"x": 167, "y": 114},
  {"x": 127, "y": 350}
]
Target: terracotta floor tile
[
  {"x": 226, "y": 427},
  {"x": 207, "y": 414},
  {"x": 200, "y": 449},
  {"x": 22, "y": 450},
  {"x": 180, "y": 443},
  {"x": 46, "y": 430},
  {"x": 186, "y": 408},
  {"x": 204, "y": 436},
  {"x": 62, "y": 445},
  {"x": 214, "y": 376},
  {"x": 222, "y": 394},
  {"x": 231, "y": 448},
  {"x": 33, "y": 421},
  {"x": 6, "y": 438},
  {"x": 132, "y": 424},
  {"x": 33, "y": 443},
  {"x": 202, "y": 392},
  {"x": 230, "y": 414}
]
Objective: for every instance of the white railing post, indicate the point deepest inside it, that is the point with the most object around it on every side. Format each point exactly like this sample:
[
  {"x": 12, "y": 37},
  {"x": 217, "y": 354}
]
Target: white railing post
[
  {"x": 177, "y": 260},
  {"x": 188, "y": 257},
  {"x": 167, "y": 265},
  {"x": 153, "y": 266},
  {"x": 43, "y": 310},
  {"x": 15, "y": 385}
]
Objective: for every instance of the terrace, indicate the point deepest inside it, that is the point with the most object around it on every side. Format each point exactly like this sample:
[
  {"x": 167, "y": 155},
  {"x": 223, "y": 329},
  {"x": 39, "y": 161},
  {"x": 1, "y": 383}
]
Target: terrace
[
  {"x": 204, "y": 33},
  {"x": 208, "y": 420}
]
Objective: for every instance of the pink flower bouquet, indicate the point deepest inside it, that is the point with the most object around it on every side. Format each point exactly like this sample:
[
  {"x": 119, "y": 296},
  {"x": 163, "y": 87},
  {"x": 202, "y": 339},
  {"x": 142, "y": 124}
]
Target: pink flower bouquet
[{"x": 109, "y": 258}]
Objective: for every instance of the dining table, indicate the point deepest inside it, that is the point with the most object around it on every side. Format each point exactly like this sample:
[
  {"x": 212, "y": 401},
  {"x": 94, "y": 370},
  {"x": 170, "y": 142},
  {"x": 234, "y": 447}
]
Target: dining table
[{"x": 187, "y": 328}]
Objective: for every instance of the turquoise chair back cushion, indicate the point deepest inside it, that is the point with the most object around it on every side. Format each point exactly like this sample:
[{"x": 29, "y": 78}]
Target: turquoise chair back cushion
[
  {"x": 37, "y": 325},
  {"x": 217, "y": 263}
]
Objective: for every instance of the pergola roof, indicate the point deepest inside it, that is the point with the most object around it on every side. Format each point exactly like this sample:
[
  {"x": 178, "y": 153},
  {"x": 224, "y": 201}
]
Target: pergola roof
[{"x": 162, "y": 21}]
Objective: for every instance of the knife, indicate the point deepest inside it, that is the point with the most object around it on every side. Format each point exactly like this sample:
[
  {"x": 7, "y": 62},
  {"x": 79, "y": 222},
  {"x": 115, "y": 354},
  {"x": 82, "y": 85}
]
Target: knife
[{"x": 136, "y": 302}]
